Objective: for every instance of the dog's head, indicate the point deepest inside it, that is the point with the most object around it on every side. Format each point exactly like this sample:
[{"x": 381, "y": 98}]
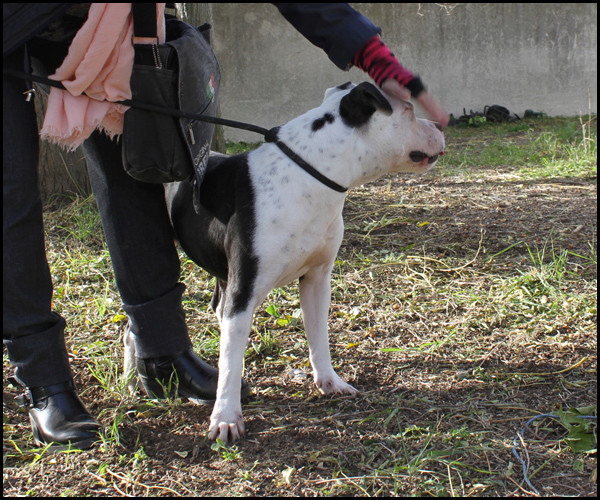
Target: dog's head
[{"x": 389, "y": 126}]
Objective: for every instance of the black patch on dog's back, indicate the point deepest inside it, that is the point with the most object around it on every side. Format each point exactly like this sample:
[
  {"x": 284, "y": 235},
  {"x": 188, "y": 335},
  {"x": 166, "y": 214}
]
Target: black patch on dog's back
[
  {"x": 218, "y": 193},
  {"x": 320, "y": 123},
  {"x": 220, "y": 237},
  {"x": 243, "y": 262}
]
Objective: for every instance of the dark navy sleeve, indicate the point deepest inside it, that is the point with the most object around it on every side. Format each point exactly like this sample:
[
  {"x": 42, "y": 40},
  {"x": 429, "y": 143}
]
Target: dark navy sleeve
[
  {"x": 21, "y": 21},
  {"x": 336, "y": 28}
]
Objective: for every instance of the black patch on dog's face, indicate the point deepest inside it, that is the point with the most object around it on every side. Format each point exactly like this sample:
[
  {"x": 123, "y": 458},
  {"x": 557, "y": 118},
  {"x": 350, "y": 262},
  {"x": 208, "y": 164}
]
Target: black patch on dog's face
[
  {"x": 357, "y": 107},
  {"x": 320, "y": 123}
]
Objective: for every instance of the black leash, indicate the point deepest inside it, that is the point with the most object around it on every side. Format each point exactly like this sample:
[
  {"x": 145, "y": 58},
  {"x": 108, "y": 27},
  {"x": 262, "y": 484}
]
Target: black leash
[
  {"x": 269, "y": 135},
  {"x": 142, "y": 105}
]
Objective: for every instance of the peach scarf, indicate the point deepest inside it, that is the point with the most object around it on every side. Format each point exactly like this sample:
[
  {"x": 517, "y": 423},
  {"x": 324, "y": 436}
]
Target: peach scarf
[{"x": 96, "y": 70}]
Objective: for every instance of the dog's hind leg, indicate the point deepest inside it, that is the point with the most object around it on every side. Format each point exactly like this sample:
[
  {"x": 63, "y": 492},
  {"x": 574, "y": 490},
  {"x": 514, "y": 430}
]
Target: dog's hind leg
[
  {"x": 315, "y": 297},
  {"x": 129, "y": 369},
  {"x": 216, "y": 304}
]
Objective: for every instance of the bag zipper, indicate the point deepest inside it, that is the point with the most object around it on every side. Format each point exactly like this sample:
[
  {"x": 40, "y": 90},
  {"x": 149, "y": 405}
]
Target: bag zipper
[{"x": 156, "y": 54}]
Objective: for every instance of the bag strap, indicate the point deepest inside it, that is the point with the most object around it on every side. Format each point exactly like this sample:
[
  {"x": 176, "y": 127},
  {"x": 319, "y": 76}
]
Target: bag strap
[
  {"x": 141, "y": 105},
  {"x": 144, "y": 19}
]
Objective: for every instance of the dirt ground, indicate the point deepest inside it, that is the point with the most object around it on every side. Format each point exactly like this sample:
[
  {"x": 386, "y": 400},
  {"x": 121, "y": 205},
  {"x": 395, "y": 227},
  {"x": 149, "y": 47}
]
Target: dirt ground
[{"x": 437, "y": 413}]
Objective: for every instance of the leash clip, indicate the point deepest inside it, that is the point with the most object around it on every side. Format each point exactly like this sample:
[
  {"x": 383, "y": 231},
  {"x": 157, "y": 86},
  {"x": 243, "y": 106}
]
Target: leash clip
[{"x": 29, "y": 94}]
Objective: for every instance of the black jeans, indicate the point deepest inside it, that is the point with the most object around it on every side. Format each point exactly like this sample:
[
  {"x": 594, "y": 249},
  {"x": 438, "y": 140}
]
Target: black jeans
[{"x": 138, "y": 234}]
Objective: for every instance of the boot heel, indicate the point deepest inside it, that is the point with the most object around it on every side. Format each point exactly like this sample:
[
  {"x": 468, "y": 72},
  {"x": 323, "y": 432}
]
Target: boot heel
[
  {"x": 156, "y": 384},
  {"x": 152, "y": 387},
  {"x": 38, "y": 439}
]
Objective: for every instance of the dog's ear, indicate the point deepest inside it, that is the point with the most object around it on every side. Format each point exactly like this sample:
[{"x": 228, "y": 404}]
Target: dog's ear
[{"x": 359, "y": 105}]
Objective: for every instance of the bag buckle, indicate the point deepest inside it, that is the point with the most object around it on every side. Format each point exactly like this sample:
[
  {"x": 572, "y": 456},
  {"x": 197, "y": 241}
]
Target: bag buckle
[
  {"x": 24, "y": 400},
  {"x": 29, "y": 94}
]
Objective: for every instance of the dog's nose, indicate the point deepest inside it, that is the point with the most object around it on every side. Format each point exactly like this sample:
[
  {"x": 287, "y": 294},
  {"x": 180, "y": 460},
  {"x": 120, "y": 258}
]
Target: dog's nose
[{"x": 418, "y": 156}]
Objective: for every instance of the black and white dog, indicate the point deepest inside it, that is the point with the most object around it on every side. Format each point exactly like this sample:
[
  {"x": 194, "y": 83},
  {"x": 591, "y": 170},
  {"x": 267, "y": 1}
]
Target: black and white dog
[{"x": 267, "y": 221}]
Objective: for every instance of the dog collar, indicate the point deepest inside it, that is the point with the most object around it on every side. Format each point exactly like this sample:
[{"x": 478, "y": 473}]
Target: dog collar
[{"x": 271, "y": 136}]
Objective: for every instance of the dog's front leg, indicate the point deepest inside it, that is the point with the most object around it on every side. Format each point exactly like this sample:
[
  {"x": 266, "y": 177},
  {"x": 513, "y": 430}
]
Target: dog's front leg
[
  {"x": 315, "y": 297},
  {"x": 226, "y": 421}
]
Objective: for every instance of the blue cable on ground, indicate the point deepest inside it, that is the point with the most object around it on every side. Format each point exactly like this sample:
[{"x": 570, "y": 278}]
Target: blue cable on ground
[{"x": 522, "y": 432}]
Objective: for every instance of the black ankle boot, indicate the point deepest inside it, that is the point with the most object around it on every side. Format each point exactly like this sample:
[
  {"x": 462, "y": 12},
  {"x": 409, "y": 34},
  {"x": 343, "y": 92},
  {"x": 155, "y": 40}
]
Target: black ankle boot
[
  {"x": 185, "y": 375},
  {"x": 58, "y": 416}
]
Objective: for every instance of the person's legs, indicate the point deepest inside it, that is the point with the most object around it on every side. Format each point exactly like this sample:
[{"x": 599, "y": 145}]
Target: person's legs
[
  {"x": 142, "y": 248},
  {"x": 32, "y": 333},
  {"x": 141, "y": 242}
]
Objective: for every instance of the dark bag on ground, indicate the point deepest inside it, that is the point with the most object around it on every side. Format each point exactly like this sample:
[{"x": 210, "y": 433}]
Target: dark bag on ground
[
  {"x": 182, "y": 74},
  {"x": 497, "y": 113}
]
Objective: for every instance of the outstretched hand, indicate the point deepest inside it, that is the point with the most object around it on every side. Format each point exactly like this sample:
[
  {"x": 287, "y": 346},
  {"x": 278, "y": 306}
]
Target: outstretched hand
[{"x": 425, "y": 100}]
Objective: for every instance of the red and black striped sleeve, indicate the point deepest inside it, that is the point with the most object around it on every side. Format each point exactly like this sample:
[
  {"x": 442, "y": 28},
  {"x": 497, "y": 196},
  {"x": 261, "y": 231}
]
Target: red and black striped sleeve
[{"x": 376, "y": 59}]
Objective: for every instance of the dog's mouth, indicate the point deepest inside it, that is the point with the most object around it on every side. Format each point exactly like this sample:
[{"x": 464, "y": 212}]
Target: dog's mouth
[{"x": 420, "y": 157}]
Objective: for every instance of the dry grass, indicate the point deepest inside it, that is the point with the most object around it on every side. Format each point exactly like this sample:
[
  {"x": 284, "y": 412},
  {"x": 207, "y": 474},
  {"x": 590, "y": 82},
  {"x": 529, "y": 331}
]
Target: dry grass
[{"x": 464, "y": 303}]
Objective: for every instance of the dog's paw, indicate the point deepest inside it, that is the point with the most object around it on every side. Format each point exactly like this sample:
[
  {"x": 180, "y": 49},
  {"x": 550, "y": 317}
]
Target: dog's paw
[
  {"x": 335, "y": 385},
  {"x": 226, "y": 425}
]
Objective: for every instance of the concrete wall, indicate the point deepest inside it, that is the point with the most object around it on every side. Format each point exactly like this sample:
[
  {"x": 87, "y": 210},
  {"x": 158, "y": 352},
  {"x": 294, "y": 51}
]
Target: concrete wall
[{"x": 523, "y": 56}]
